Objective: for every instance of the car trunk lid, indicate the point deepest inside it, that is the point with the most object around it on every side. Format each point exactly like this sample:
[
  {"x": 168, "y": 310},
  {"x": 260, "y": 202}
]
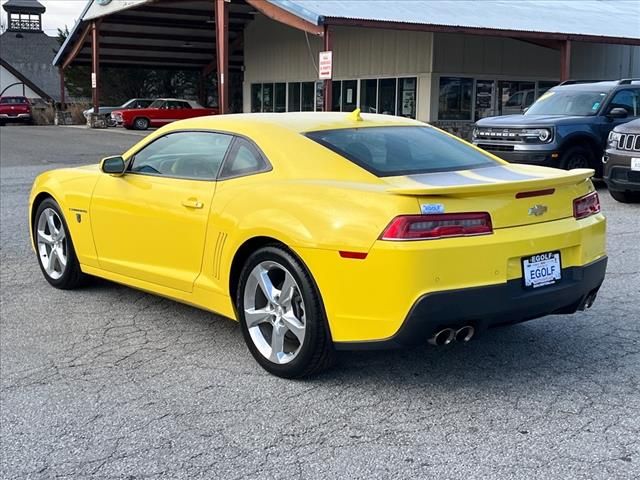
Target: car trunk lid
[{"x": 514, "y": 195}]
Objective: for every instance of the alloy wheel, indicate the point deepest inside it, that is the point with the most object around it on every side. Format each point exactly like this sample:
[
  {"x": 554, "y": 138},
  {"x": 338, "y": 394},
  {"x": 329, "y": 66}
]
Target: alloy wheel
[
  {"x": 274, "y": 312},
  {"x": 52, "y": 243}
]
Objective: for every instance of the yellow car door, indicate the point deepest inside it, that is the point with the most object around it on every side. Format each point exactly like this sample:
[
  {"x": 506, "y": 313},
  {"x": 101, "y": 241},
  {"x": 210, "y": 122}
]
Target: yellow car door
[{"x": 151, "y": 222}]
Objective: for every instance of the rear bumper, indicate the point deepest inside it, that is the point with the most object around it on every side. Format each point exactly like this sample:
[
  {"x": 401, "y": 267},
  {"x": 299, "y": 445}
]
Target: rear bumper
[
  {"x": 489, "y": 306},
  {"x": 19, "y": 116}
]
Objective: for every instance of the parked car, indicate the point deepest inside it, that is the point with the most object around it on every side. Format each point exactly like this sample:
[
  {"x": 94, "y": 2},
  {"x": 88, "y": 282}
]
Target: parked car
[
  {"x": 15, "y": 109},
  {"x": 622, "y": 162},
  {"x": 518, "y": 102},
  {"x": 323, "y": 231},
  {"x": 133, "y": 104},
  {"x": 161, "y": 112},
  {"x": 567, "y": 127}
]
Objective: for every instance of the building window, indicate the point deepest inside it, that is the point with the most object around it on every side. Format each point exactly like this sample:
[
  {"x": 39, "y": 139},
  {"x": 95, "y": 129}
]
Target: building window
[
  {"x": 308, "y": 91},
  {"x": 294, "y": 97},
  {"x": 387, "y": 96},
  {"x": 336, "y": 96},
  {"x": 267, "y": 97},
  {"x": 369, "y": 95},
  {"x": 319, "y": 96},
  {"x": 455, "y": 98},
  {"x": 407, "y": 97},
  {"x": 349, "y": 95},
  {"x": 280, "y": 97},
  {"x": 256, "y": 97}
]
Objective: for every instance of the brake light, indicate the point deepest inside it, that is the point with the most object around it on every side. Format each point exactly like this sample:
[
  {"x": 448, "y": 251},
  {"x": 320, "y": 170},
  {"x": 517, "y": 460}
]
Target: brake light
[
  {"x": 421, "y": 227},
  {"x": 586, "y": 206}
]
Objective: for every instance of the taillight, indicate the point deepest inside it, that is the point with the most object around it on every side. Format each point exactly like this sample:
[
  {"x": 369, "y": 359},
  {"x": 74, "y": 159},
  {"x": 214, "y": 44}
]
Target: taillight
[
  {"x": 419, "y": 227},
  {"x": 586, "y": 206}
]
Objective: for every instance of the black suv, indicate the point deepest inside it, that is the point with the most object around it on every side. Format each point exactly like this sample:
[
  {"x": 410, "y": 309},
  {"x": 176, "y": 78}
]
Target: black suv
[{"x": 567, "y": 127}]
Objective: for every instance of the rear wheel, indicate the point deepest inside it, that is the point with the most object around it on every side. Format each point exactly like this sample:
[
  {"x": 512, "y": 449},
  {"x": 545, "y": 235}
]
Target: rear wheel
[
  {"x": 625, "y": 197},
  {"x": 141, "y": 123},
  {"x": 281, "y": 315},
  {"x": 56, "y": 255}
]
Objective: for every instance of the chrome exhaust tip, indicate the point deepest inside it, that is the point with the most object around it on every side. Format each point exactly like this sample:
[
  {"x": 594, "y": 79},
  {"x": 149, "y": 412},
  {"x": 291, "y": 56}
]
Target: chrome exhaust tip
[
  {"x": 443, "y": 337},
  {"x": 465, "y": 334}
]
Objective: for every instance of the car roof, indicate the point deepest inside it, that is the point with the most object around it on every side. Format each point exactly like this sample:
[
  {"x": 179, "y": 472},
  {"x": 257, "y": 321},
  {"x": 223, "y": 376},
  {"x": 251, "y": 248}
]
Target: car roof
[{"x": 294, "y": 121}]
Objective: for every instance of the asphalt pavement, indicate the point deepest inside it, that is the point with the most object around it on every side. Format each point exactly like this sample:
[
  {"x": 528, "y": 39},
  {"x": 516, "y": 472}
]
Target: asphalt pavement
[{"x": 108, "y": 382}]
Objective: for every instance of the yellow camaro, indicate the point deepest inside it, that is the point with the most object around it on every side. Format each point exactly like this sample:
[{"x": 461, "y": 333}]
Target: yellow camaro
[{"x": 324, "y": 231}]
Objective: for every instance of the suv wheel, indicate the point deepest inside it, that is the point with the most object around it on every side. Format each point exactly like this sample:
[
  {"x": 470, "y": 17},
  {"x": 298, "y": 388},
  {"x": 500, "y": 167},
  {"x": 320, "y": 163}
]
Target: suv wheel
[{"x": 577, "y": 157}]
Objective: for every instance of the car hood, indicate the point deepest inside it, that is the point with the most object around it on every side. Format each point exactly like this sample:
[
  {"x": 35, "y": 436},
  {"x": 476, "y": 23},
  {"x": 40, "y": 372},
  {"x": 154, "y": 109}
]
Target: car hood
[
  {"x": 629, "y": 127},
  {"x": 529, "y": 120}
]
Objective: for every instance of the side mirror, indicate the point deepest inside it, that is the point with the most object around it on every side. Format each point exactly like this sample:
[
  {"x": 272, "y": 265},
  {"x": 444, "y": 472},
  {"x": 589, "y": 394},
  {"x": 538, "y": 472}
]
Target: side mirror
[
  {"x": 618, "y": 112},
  {"x": 113, "y": 166}
]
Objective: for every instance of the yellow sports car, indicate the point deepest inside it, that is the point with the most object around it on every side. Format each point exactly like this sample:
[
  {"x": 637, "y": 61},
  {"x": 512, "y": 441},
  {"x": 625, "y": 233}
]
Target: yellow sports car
[{"x": 324, "y": 231}]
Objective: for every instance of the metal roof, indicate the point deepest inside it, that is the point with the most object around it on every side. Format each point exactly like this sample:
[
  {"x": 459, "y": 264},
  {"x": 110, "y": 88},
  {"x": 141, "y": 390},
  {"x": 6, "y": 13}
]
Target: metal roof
[
  {"x": 24, "y": 6},
  {"x": 606, "y": 18}
]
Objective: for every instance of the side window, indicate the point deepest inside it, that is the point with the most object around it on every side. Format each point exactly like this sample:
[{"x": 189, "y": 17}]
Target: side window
[
  {"x": 184, "y": 155},
  {"x": 244, "y": 159},
  {"x": 184, "y": 105},
  {"x": 627, "y": 99}
]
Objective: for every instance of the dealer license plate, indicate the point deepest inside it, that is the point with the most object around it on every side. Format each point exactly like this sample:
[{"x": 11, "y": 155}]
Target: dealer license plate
[
  {"x": 541, "y": 269},
  {"x": 635, "y": 164}
]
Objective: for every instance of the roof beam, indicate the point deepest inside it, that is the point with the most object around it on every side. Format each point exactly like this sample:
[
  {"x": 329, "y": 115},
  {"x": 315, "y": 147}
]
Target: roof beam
[
  {"x": 283, "y": 16},
  {"x": 141, "y": 21},
  {"x": 78, "y": 46}
]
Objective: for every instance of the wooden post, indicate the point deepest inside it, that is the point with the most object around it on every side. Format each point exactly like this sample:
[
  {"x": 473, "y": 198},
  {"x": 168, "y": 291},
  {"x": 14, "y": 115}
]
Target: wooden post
[
  {"x": 95, "y": 66},
  {"x": 63, "y": 99},
  {"x": 222, "y": 48},
  {"x": 565, "y": 60},
  {"x": 328, "y": 84}
]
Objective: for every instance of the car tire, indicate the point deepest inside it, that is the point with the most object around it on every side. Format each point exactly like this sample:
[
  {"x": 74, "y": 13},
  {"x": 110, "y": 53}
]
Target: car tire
[
  {"x": 289, "y": 337},
  {"x": 578, "y": 157},
  {"x": 141, "y": 123},
  {"x": 54, "y": 247},
  {"x": 625, "y": 197}
]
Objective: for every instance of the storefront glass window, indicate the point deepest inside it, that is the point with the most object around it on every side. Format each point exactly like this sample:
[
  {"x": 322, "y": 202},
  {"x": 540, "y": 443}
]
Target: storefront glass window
[
  {"x": 368, "y": 95},
  {"x": 407, "y": 97},
  {"x": 308, "y": 91},
  {"x": 294, "y": 97},
  {"x": 336, "y": 87},
  {"x": 349, "y": 95},
  {"x": 319, "y": 96},
  {"x": 387, "y": 96},
  {"x": 455, "y": 98},
  {"x": 513, "y": 96},
  {"x": 280, "y": 97},
  {"x": 256, "y": 97},
  {"x": 267, "y": 97}
]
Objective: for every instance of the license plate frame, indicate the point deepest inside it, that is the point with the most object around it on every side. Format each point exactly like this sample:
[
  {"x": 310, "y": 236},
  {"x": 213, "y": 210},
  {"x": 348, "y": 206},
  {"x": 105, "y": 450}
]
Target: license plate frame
[{"x": 550, "y": 261}]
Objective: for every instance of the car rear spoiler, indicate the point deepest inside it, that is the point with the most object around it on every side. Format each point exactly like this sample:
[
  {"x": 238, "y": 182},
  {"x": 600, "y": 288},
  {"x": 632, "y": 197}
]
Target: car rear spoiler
[{"x": 572, "y": 177}]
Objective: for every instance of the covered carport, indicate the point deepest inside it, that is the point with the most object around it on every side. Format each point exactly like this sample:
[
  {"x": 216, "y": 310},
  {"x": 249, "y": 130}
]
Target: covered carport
[{"x": 193, "y": 35}]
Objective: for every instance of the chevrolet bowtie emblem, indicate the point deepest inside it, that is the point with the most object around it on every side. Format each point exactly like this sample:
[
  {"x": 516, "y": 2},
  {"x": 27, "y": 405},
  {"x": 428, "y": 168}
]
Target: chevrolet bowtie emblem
[{"x": 538, "y": 210}]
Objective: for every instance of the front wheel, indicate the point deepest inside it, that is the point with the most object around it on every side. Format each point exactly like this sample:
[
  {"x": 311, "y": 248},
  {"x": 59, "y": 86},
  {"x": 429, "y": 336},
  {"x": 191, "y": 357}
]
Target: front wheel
[
  {"x": 141, "y": 123},
  {"x": 56, "y": 255},
  {"x": 579, "y": 157},
  {"x": 281, "y": 315}
]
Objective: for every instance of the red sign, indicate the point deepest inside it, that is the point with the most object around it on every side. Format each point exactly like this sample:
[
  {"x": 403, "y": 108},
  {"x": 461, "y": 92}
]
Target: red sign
[{"x": 325, "y": 66}]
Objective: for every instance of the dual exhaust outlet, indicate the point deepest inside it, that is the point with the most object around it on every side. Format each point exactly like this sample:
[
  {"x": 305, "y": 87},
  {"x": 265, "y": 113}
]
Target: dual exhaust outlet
[{"x": 448, "y": 335}]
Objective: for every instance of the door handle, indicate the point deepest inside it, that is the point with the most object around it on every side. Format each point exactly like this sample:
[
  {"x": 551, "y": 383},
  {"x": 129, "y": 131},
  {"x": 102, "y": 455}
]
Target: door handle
[{"x": 192, "y": 203}]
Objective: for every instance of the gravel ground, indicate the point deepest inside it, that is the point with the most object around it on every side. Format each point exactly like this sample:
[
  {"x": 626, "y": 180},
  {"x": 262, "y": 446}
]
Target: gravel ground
[{"x": 109, "y": 382}]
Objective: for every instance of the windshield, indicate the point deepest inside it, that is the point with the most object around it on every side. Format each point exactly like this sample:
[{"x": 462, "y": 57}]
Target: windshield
[
  {"x": 157, "y": 104},
  {"x": 568, "y": 102},
  {"x": 390, "y": 151}
]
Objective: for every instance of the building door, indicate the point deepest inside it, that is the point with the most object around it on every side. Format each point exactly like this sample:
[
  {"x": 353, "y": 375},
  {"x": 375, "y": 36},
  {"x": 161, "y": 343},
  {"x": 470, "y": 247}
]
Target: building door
[{"x": 485, "y": 99}]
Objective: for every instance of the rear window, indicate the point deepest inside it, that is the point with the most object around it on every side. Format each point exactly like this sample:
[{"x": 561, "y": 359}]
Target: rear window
[
  {"x": 407, "y": 150},
  {"x": 13, "y": 100}
]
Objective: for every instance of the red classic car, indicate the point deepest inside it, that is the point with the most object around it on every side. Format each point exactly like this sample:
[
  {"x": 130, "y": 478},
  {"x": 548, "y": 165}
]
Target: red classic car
[
  {"x": 160, "y": 112},
  {"x": 14, "y": 109}
]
